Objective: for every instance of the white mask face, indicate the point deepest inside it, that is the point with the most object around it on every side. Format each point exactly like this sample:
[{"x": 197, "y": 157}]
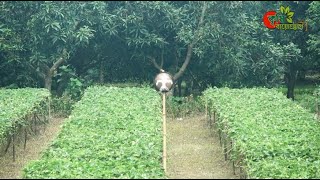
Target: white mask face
[{"x": 164, "y": 82}]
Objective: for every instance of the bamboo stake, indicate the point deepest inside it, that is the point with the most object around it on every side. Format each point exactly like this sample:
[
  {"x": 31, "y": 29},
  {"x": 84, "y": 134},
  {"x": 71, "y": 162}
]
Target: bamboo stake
[
  {"x": 49, "y": 108},
  {"x": 233, "y": 166},
  {"x": 219, "y": 132},
  {"x": 25, "y": 138},
  {"x": 35, "y": 124},
  {"x": 317, "y": 107},
  {"x": 13, "y": 148},
  {"x": 225, "y": 148},
  {"x": 8, "y": 144},
  {"x": 164, "y": 133},
  {"x": 206, "y": 108}
]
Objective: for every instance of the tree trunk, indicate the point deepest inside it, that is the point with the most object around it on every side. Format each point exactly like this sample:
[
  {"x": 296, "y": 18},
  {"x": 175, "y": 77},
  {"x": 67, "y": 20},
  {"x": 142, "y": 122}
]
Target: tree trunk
[
  {"x": 49, "y": 75},
  {"x": 189, "y": 49},
  {"x": 179, "y": 87},
  {"x": 191, "y": 45},
  {"x": 185, "y": 64},
  {"x": 101, "y": 76},
  {"x": 189, "y": 87},
  {"x": 290, "y": 92},
  {"x": 48, "y": 82},
  {"x": 291, "y": 78},
  {"x": 301, "y": 75}
]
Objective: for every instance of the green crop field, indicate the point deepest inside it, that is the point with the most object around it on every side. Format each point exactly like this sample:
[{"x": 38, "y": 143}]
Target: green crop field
[
  {"x": 271, "y": 136},
  {"x": 112, "y": 133},
  {"x": 16, "y": 105}
]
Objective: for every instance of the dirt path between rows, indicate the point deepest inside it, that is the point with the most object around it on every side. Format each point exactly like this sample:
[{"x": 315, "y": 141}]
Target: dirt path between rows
[
  {"x": 194, "y": 151},
  {"x": 35, "y": 145}
]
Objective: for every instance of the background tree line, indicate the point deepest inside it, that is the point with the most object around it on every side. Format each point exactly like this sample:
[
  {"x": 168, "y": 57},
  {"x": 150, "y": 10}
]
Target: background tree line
[{"x": 70, "y": 45}]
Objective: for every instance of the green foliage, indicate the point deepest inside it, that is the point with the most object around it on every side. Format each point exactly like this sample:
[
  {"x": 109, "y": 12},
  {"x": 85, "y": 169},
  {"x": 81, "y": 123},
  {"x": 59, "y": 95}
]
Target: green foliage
[
  {"x": 16, "y": 105},
  {"x": 70, "y": 83},
  {"x": 272, "y": 135},
  {"x": 307, "y": 101},
  {"x": 74, "y": 88},
  {"x": 8, "y": 40},
  {"x": 129, "y": 84},
  {"x": 112, "y": 133},
  {"x": 110, "y": 41},
  {"x": 183, "y": 106},
  {"x": 313, "y": 19},
  {"x": 305, "y": 96},
  {"x": 317, "y": 91},
  {"x": 62, "y": 106}
]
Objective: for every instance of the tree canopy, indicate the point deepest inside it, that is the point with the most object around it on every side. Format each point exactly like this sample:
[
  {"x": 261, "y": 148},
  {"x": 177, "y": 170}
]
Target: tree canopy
[{"x": 61, "y": 44}]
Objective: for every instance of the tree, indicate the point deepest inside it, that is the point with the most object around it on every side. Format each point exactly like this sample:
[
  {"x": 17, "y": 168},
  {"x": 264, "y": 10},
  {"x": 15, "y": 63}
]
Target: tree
[
  {"x": 150, "y": 28},
  {"x": 201, "y": 43},
  {"x": 313, "y": 41}
]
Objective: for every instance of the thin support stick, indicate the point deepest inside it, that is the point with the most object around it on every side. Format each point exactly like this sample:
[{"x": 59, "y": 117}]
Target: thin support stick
[
  {"x": 8, "y": 144},
  {"x": 164, "y": 133},
  {"x": 49, "y": 108},
  {"x": 25, "y": 138},
  {"x": 317, "y": 107},
  {"x": 206, "y": 108},
  {"x": 13, "y": 148}
]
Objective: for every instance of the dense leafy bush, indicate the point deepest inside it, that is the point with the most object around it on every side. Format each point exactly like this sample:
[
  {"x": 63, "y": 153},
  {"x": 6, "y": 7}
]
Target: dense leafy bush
[
  {"x": 111, "y": 133},
  {"x": 305, "y": 96},
  {"x": 183, "y": 106},
  {"x": 62, "y": 106},
  {"x": 307, "y": 101},
  {"x": 273, "y": 136},
  {"x": 17, "y": 104},
  {"x": 316, "y": 92}
]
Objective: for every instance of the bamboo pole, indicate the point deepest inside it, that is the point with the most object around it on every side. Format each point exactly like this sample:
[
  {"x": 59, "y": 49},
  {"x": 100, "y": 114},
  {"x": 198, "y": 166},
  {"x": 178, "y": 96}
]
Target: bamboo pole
[
  {"x": 13, "y": 148},
  {"x": 25, "y": 138},
  {"x": 206, "y": 109},
  {"x": 317, "y": 107},
  {"x": 49, "y": 108},
  {"x": 164, "y": 133}
]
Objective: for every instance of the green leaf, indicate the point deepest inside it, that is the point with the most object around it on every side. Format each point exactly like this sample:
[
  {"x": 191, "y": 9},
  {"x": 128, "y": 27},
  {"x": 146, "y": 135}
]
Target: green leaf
[
  {"x": 290, "y": 14},
  {"x": 269, "y": 134},
  {"x": 103, "y": 138},
  {"x": 16, "y": 104},
  {"x": 287, "y": 10},
  {"x": 282, "y": 9}
]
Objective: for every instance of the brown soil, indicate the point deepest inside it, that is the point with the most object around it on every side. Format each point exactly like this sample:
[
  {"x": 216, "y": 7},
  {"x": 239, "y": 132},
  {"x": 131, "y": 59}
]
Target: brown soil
[
  {"x": 194, "y": 151},
  {"x": 35, "y": 145}
]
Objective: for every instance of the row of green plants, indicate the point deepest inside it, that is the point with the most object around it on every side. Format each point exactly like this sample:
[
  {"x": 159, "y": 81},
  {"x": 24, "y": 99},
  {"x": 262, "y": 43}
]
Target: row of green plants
[
  {"x": 306, "y": 96},
  {"x": 112, "y": 132},
  {"x": 264, "y": 133},
  {"x": 316, "y": 93},
  {"x": 17, "y": 105},
  {"x": 62, "y": 105}
]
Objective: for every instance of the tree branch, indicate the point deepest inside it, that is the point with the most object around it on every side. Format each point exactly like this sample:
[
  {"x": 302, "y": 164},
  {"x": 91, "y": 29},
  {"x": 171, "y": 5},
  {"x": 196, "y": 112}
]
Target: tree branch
[
  {"x": 57, "y": 63},
  {"x": 190, "y": 46},
  {"x": 153, "y": 60},
  {"x": 204, "y": 8},
  {"x": 185, "y": 63},
  {"x": 43, "y": 67},
  {"x": 161, "y": 65}
]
